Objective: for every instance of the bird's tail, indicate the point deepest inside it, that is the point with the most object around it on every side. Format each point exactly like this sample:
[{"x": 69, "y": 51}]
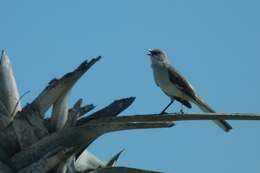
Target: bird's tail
[{"x": 206, "y": 108}]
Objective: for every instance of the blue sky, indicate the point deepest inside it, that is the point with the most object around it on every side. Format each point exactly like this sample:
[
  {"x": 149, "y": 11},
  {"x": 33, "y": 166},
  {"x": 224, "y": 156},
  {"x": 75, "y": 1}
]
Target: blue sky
[{"x": 215, "y": 44}]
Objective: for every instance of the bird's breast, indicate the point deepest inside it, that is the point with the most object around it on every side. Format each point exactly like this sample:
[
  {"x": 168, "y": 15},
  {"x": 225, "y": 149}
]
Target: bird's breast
[{"x": 161, "y": 77}]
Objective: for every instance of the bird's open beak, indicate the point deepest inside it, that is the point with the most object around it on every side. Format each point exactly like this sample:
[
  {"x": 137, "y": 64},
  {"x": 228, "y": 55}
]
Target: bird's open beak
[{"x": 150, "y": 52}]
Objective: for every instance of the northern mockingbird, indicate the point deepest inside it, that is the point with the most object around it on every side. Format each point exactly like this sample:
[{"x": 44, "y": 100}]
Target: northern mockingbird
[{"x": 174, "y": 85}]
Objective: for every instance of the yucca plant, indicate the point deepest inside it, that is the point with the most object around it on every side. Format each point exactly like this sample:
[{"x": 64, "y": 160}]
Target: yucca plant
[{"x": 32, "y": 142}]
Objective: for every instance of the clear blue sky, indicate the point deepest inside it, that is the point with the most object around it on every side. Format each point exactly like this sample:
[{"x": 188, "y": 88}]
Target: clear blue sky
[{"x": 215, "y": 44}]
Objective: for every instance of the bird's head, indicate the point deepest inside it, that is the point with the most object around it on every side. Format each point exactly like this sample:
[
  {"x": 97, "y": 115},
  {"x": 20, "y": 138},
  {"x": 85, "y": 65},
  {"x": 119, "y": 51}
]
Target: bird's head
[{"x": 157, "y": 56}]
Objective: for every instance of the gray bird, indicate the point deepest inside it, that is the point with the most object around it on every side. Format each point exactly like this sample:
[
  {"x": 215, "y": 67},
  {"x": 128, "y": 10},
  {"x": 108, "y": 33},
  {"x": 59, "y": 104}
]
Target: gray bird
[{"x": 174, "y": 85}]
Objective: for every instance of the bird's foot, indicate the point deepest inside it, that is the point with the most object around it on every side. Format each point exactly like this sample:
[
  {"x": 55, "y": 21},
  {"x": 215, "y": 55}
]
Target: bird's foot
[
  {"x": 163, "y": 112},
  {"x": 181, "y": 110}
]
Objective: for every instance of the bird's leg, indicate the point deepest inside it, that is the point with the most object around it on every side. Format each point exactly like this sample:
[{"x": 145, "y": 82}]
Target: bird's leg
[
  {"x": 163, "y": 111},
  {"x": 181, "y": 111}
]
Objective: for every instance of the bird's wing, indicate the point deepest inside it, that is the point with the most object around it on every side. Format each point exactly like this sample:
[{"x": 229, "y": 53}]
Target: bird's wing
[
  {"x": 181, "y": 83},
  {"x": 184, "y": 102}
]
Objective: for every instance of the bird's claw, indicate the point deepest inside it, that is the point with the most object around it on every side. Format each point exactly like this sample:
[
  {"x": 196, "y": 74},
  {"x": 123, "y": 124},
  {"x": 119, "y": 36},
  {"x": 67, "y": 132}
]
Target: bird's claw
[{"x": 163, "y": 112}]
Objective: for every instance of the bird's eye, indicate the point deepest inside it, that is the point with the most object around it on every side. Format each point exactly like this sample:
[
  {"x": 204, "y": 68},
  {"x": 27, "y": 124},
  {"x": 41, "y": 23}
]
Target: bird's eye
[{"x": 156, "y": 53}]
